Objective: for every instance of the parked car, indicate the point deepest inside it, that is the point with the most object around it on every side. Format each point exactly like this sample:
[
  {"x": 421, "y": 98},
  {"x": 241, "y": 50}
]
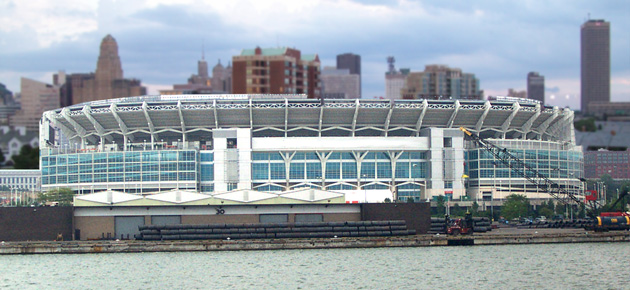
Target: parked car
[{"x": 524, "y": 220}]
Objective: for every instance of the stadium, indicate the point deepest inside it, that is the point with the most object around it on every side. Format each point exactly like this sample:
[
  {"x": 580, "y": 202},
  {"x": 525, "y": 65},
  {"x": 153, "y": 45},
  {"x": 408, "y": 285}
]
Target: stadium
[{"x": 366, "y": 149}]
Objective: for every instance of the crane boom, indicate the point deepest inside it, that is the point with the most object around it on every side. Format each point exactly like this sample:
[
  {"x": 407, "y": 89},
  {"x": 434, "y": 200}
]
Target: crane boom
[{"x": 529, "y": 173}]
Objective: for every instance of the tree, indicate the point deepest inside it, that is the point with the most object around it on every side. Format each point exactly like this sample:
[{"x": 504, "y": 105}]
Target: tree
[
  {"x": 457, "y": 211},
  {"x": 587, "y": 125},
  {"x": 27, "y": 159},
  {"x": 582, "y": 211},
  {"x": 387, "y": 200},
  {"x": 1, "y": 156},
  {"x": 64, "y": 196},
  {"x": 545, "y": 211},
  {"x": 440, "y": 205},
  {"x": 515, "y": 206},
  {"x": 475, "y": 207},
  {"x": 551, "y": 206}
]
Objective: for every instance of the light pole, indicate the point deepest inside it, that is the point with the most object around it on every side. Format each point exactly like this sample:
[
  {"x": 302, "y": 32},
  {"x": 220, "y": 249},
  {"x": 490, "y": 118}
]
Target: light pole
[
  {"x": 11, "y": 195},
  {"x": 363, "y": 176},
  {"x": 494, "y": 189},
  {"x": 413, "y": 176}
]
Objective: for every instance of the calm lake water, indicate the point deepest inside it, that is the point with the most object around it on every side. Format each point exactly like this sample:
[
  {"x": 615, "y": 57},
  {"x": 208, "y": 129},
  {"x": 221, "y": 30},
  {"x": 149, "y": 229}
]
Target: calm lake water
[{"x": 556, "y": 266}]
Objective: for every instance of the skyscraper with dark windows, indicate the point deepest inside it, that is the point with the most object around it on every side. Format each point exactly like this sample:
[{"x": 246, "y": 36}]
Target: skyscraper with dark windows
[
  {"x": 536, "y": 87},
  {"x": 595, "y": 52},
  {"x": 353, "y": 63}
]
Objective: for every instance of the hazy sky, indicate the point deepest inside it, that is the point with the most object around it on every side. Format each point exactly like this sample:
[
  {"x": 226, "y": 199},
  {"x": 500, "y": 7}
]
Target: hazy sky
[{"x": 160, "y": 40}]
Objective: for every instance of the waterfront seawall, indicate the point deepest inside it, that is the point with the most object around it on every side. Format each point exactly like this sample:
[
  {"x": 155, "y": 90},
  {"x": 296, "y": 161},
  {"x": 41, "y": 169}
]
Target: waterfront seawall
[{"x": 129, "y": 246}]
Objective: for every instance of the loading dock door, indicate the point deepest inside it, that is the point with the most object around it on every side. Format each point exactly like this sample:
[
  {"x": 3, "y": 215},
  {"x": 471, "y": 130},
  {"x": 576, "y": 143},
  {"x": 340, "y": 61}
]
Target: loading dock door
[{"x": 127, "y": 226}]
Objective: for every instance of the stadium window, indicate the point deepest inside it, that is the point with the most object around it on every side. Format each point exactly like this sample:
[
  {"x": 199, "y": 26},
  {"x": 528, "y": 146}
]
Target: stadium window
[
  {"x": 296, "y": 170},
  {"x": 231, "y": 143}
]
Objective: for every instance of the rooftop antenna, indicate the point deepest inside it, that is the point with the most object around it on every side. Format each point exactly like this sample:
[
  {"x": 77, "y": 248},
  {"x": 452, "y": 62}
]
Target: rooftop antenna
[{"x": 390, "y": 61}]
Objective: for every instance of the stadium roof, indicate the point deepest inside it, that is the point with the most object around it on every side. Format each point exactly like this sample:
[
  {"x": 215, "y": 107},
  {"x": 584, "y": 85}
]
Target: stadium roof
[{"x": 167, "y": 117}]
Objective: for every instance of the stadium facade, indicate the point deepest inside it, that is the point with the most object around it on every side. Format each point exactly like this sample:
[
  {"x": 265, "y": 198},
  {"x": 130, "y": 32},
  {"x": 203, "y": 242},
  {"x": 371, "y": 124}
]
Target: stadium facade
[{"x": 274, "y": 143}]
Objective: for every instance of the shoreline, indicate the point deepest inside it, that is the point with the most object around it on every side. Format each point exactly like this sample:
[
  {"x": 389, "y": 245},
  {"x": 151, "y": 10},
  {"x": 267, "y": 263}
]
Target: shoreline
[{"x": 530, "y": 236}]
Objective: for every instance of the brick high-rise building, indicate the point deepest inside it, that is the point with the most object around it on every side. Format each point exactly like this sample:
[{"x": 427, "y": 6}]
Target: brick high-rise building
[
  {"x": 106, "y": 83},
  {"x": 536, "y": 87},
  {"x": 595, "y": 53},
  {"x": 353, "y": 63},
  {"x": 276, "y": 71},
  {"x": 614, "y": 163},
  {"x": 440, "y": 81}
]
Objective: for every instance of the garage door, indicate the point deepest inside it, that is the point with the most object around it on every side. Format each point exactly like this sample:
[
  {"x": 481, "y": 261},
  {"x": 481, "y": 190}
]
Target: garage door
[
  {"x": 304, "y": 218},
  {"x": 127, "y": 226},
  {"x": 274, "y": 218}
]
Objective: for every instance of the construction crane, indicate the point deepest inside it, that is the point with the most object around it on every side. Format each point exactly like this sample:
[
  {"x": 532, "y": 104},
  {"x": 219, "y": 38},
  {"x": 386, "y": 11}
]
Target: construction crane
[
  {"x": 604, "y": 221},
  {"x": 532, "y": 175}
]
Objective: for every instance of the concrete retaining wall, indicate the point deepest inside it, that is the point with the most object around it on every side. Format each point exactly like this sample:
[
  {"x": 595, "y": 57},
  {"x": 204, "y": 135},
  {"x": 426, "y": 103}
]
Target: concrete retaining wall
[
  {"x": 278, "y": 244},
  {"x": 35, "y": 223}
]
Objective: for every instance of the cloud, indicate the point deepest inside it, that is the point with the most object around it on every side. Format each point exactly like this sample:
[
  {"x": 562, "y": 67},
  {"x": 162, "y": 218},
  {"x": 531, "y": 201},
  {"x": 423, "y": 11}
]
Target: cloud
[
  {"x": 554, "y": 90},
  {"x": 47, "y": 20},
  {"x": 160, "y": 40}
]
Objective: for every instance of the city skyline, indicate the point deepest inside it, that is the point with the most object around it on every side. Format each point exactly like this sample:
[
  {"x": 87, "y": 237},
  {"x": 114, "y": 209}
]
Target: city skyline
[{"x": 161, "y": 43}]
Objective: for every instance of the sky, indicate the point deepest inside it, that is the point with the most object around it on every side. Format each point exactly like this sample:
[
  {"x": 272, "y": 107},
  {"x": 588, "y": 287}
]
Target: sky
[{"x": 160, "y": 41}]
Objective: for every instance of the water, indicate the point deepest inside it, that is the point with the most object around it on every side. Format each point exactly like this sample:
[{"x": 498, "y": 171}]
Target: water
[{"x": 555, "y": 266}]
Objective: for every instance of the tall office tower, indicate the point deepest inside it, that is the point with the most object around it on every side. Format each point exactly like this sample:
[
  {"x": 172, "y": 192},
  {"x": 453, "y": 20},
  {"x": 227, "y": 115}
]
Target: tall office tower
[
  {"x": 353, "y": 63},
  {"x": 440, "y": 81},
  {"x": 8, "y": 105},
  {"x": 276, "y": 71},
  {"x": 222, "y": 78},
  {"x": 106, "y": 83},
  {"x": 201, "y": 79},
  {"x": 202, "y": 67},
  {"x": 595, "y": 50},
  {"x": 37, "y": 97},
  {"x": 108, "y": 68},
  {"x": 536, "y": 87},
  {"x": 394, "y": 79},
  {"x": 340, "y": 84},
  {"x": 202, "y": 83}
]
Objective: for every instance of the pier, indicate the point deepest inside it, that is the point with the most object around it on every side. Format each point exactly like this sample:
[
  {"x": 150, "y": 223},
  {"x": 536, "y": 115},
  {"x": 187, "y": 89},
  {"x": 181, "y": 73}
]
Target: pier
[{"x": 499, "y": 237}]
